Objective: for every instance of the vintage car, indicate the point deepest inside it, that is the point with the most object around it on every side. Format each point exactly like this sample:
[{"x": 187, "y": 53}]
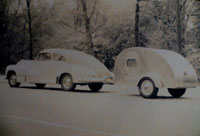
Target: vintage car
[
  {"x": 151, "y": 69},
  {"x": 60, "y": 66}
]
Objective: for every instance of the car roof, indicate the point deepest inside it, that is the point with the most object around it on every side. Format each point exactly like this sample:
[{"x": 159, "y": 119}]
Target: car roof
[{"x": 78, "y": 57}]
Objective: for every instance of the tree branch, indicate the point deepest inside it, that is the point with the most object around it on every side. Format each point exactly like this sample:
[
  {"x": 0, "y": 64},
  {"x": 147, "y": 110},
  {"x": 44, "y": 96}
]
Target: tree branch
[
  {"x": 93, "y": 9},
  {"x": 69, "y": 26},
  {"x": 37, "y": 25},
  {"x": 182, "y": 4},
  {"x": 98, "y": 27}
]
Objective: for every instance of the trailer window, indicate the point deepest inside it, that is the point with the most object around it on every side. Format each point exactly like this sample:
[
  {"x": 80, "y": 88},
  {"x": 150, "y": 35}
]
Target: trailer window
[{"x": 131, "y": 63}]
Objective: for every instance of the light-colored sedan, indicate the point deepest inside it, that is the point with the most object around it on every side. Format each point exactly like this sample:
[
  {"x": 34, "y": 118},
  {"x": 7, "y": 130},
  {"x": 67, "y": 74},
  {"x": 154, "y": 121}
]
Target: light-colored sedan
[{"x": 60, "y": 66}]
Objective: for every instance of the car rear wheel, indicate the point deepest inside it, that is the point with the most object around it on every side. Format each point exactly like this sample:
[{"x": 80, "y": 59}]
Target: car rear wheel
[
  {"x": 95, "y": 87},
  {"x": 12, "y": 80},
  {"x": 176, "y": 93},
  {"x": 147, "y": 88},
  {"x": 67, "y": 82},
  {"x": 40, "y": 86}
]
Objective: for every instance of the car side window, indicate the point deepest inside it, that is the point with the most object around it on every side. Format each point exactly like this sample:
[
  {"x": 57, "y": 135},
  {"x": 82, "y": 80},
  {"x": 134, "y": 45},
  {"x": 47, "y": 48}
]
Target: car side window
[
  {"x": 44, "y": 56},
  {"x": 58, "y": 57},
  {"x": 131, "y": 63}
]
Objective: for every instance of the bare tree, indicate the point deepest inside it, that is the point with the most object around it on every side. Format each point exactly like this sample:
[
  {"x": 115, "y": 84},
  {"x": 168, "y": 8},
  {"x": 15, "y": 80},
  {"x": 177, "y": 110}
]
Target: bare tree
[
  {"x": 10, "y": 31},
  {"x": 180, "y": 14},
  {"x": 28, "y": 3},
  {"x": 137, "y": 24},
  {"x": 162, "y": 20},
  {"x": 36, "y": 17},
  {"x": 87, "y": 21},
  {"x": 179, "y": 27}
]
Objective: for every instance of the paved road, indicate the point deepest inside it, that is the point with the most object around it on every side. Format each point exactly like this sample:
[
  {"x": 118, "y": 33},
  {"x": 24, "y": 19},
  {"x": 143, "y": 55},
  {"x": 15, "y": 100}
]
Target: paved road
[{"x": 115, "y": 111}]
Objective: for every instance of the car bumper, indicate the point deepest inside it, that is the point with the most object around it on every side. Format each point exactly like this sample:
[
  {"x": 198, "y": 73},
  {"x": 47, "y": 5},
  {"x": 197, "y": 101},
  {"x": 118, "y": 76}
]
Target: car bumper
[
  {"x": 187, "y": 83},
  {"x": 105, "y": 80}
]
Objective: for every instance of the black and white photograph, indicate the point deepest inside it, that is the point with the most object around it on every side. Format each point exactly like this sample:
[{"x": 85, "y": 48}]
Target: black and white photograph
[{"x": 99, "y": 67}]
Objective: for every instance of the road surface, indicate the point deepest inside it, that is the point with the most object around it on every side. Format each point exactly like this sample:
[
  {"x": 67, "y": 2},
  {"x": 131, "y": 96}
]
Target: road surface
[{"x": 115, "y": 111}]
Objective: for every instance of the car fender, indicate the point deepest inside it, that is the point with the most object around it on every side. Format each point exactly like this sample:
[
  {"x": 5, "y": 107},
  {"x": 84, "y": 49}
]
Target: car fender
[
  {"x": 157, "y": 79},
  {"x": 11, "y": 68},
  {"x": 77, "y": 72}
]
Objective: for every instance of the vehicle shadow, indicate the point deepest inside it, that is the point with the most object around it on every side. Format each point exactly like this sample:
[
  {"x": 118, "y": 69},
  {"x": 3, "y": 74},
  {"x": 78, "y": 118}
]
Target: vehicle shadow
[
  {"x": 45, "y": 88},
  {"x": 88, "y": 91},
  {"x": 59, "y": 89},
  {"x": 162, "y": 97}
]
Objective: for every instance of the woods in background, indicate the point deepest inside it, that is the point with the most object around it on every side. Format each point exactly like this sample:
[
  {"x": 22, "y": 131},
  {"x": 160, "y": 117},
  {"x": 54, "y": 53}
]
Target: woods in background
[{"x": 27, "y": 26}]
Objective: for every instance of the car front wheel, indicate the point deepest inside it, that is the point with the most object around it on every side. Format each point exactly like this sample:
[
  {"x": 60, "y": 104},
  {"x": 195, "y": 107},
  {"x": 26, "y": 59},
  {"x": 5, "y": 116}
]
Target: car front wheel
[
  {"x": 147, "y": 88},
  {"x": 95, "y": 87},
  {"x": 67, "y": 82},
  {"x": 176, "y": 93},
  {"x": 12, "y": 80}
]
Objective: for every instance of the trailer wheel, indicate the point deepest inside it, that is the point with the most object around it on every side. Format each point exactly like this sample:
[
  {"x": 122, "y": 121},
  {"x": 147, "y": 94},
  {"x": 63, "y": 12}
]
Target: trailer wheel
[
  {"x": 176, "y": 93},
  {"x": 67, "y": 82},
  {"x": 147, "y": 88},
  {"x": 95, "y": 87},
  {"x": 12, "y": 80}
]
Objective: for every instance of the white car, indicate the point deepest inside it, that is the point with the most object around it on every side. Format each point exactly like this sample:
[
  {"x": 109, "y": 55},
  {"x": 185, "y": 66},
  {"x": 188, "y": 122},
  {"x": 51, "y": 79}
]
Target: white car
[{"x": 60, "y": 66}]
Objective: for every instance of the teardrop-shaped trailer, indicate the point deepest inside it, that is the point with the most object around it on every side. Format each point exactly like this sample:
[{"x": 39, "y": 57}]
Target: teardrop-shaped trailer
[{"x": 151, "y": 69}]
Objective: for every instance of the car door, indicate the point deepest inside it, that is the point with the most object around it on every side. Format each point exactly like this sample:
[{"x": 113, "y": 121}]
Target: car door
[{"x": 41, "y": 69}]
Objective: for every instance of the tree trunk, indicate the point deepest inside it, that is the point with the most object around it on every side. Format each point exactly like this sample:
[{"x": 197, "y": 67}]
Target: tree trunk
[
  {"x": 87, "y": 28},
  {"x": 30, "y": 30},
  {"x": 137, "y": 24},
  {"x": 179, "y": 27},
  {"x": 23, "y": 41}
]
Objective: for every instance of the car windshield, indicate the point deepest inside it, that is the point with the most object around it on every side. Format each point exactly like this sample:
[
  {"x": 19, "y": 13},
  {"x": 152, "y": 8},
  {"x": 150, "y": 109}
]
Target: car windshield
[{"x": 58, "y": 57}]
